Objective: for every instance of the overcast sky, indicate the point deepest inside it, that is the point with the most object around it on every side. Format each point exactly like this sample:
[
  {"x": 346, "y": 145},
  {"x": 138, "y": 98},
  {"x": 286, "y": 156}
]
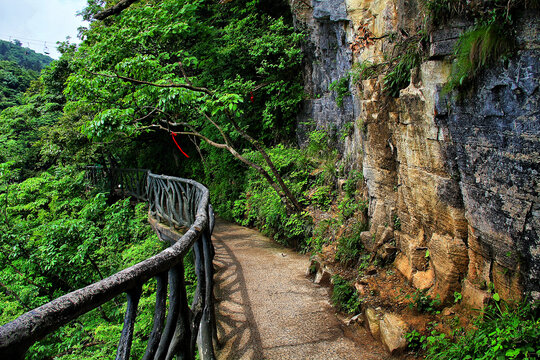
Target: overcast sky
[{"x": 40, "y": 23}]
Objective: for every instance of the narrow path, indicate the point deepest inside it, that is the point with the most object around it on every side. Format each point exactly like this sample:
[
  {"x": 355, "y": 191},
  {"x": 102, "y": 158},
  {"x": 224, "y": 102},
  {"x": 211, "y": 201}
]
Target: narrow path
[{"x": 268, "y": 309}]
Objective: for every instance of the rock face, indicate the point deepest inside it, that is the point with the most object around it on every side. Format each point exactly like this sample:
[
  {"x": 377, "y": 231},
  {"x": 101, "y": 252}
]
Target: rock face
[
  {"x": 393, "y": 330},
  {"x": 373, "y": 320},
  {"x": 452, "y": 181},
  {"x": 496, "y": 139},
  {"x": 328, "y": 59}
]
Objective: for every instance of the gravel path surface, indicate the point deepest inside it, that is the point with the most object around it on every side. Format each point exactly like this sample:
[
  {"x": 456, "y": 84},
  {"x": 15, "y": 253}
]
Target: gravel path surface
[{"x": 268, "y": 309}]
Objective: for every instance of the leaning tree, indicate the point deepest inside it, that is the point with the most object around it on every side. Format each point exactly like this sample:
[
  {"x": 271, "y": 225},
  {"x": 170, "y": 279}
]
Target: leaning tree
[{"x": 226, "y": 74}]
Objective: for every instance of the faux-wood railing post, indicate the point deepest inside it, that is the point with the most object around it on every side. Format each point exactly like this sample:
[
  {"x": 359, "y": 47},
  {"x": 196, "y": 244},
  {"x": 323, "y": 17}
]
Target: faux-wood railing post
[
  {"x": 180, "y": 202},
  {"x": 207, "y": 321},
  {"x": 126, "y": 339},
  {"x": 180, "y": 344},
  {"x": 160, "y": 312},
  {"x": 198, "y": 298}
]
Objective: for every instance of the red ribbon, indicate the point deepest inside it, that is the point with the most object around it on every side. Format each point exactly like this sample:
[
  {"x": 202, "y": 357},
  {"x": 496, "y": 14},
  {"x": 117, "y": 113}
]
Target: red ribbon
[{"x": 173, "y": 135}]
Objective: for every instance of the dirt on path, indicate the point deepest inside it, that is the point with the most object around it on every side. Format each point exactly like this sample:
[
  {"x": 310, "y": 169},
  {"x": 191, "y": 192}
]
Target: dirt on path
[{"x": 267, "y": 308}]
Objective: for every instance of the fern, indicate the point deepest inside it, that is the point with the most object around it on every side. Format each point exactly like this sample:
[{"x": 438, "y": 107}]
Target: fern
[{"x": 477, "y": 48}]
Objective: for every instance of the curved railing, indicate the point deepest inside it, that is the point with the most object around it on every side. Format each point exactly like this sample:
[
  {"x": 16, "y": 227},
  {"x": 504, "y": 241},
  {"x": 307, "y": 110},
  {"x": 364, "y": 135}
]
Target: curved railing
[{"x": 178, "y": 330}]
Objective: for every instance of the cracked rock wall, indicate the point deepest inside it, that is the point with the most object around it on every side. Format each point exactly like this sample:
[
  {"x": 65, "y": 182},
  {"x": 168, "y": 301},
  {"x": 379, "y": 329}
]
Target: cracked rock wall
[{"x": 455, "y": 179}]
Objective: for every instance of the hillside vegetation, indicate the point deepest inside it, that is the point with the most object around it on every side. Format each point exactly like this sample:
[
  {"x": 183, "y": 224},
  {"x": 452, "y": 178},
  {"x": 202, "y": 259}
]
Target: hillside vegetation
[
  {"x": 219, "y": 79},
  {"x": 23, "y": 56},
  {"x": 19, "y": 66}
]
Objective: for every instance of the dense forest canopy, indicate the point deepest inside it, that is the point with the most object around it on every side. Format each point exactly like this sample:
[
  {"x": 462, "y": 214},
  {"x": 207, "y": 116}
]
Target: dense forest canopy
[
  {"x": 224, "y": 75},
  {"x": 18, "y": 67},
  {"x": 14, "y": 80}
]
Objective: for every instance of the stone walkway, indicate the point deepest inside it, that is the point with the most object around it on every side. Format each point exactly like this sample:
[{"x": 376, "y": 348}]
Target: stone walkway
[{"x": 268, "y": 309}]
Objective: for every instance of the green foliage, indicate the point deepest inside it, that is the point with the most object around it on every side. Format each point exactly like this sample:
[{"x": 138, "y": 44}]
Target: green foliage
[
  {"x": 399, "y": 75},
  {"x": 245, "y": 52},
  {"x": 440, "y": 11},
  {"x": 261, "y": 206},
  {"x": 415, "y": 340},
  {"x": 30, "y": 136},
  {"x": 397, "y": 225},
  {"x": 14, "y": 80},
  {"x": 346, "y": 130},
  {"x": 322, "y": 234},
  {"x": 363, "y": 263},
  {"x": 320, "y": 142},
  {"x": 477, "y": 48},
  {"x": 56, "y": 235},
  {"x": 397, "y": 68},
  {"x": 350, "y": 246},
  {"x": 321, "y": 149},
  {"x": 322, "y": 197},
  {"x": 509, "y": 333},
  {"x": 71, "y": 240},
  {"x": 490, "y": 39},
  {"x": 500, "y": 11},
  {"x": 236, "y": 50},
  {"x": 363, "y": 71},
  {"x": 344, "y": 295},
  {"x": 351, "y": 183},
  {"x": 24, "y": 57},
  {"x": 348, "y": 206},
  {"x": 423, "y": 302},
  {"x": 341, "y": 87}
]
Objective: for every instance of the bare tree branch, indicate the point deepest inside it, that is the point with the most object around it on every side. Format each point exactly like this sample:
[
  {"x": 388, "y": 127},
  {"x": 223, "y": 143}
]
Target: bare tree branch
[
  {"x": 147, "y": 115},
  {"x": 268, "y": 161},
  {"x": 279, "y": 190},
  {"x": 282, "y": 190},
  {"x": 142, "y": 82},
  {"x": 225, "y": 137},
  {"x": 15, "y": 296},
  {"x": 193, "y": 140},
  {"x": 114, "y": 10}
]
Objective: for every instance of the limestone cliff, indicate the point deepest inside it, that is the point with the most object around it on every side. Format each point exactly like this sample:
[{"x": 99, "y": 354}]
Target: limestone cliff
[{"x": 456, "y": 180}]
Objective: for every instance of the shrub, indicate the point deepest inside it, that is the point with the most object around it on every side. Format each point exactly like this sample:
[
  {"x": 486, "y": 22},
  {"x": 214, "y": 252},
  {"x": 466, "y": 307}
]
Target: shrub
[
  {"x": 321, "y": 234},
  {"x": 423, "y": 302},
  {"x": 364, "y": 71},
  {"x": 505, "y": 332},
  {"x": 344, "y": 295},
  {"x": 341, "y": 87},
  {"x": 350, "y": 247},
  {"x": 322, "y": 197},
  {"x": 415, "y": 340},
  {"x": 260, "y": 205},
  {"x": 349, "y": 186},
  {"x": 399, "y": 76}
]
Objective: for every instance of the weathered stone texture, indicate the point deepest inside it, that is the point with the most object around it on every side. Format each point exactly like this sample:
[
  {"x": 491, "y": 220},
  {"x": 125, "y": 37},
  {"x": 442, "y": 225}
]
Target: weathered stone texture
[
  {"x": 449, "y": 258},
  {"x": 424, "y": 279},
  {"x": 328, "y": 58},
  {"x": 473, "y": 296},
  {"x": 393, "y": 330},
  {"x": 457, "y": 177},
  {"x": 443, "y": 40},
  {"x": 373, "y": 320},
  {"x": 496, "y": 136}
]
